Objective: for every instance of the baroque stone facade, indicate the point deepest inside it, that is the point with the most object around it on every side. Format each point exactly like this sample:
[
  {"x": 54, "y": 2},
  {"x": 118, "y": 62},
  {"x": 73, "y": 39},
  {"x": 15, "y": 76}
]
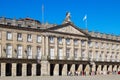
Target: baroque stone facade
[{"x": 29, "y": 48}]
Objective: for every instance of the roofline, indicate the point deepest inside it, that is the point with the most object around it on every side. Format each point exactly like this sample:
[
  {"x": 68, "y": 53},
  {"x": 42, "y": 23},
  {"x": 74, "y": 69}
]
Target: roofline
[{"x": 40, "y": 30}]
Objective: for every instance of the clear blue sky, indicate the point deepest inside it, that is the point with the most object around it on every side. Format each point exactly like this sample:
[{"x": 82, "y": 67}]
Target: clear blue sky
[{"x": 103, "y": 15}]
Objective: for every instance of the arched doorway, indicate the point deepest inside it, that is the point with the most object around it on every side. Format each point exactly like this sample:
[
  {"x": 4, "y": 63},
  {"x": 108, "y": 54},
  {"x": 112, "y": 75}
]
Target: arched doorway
[
  {"x": 38, "y": 69},
  {"x": 8, "y": 69},
  {"x": 60, "y": 69},
  {"x": 19, "y": 69},
  {"x": 52, "y": 69},
  {"x": 29, "y": 69}
]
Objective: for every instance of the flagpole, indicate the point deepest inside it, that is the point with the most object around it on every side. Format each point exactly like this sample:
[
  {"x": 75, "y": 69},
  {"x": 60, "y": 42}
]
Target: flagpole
[
  {"x": 86, "y": 24},
  {"x": 42, "y": 13}
]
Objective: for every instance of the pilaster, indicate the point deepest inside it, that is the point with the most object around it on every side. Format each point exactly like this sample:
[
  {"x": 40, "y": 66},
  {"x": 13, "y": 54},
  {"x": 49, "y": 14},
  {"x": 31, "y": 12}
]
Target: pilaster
[
  {"x": 3, "y": 69},
  {"x": 33, "y": 69},
  {"x": 13, "y": 69},
  {"x": 24, "y": 69}
]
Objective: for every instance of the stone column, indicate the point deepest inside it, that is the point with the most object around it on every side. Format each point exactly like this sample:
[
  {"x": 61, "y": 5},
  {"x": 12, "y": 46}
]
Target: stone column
[
  {"x": 47, "y": 47},
  {"x": 80, "y": 69},
  {"x": 33, "y": 69},
  {"x": 24, "y": 69},
  {"x": 99, "y": 69},
  {"x": 87, "y": 49},
  {"x": 104, "y": 69},
  {"x": 13, "y": 69},
  {"x": 45, "y": 68},
  {"x": 3, "y": 70},
  {"x": 64, "y": 70},
  {"x": 72, "y": 68},
  {"x": 87, "y": 69},
  {"x": 115, "y": 68},
  {"x": 72, "y": 49},
  {"x": 79, "y": 50},
  {"x": 56, "y": 48},
  {"x": 110, "y": 68},
  {"x": 93, "y": 68},
  {"x": 64, "y": 47},
  {"x": 56, "y": 70},
  {"x": 43, "y": 46}
]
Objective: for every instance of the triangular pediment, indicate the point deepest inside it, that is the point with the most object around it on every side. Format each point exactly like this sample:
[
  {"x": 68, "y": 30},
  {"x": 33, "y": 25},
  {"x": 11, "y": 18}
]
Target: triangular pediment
[{"x": 69, "y": 28}]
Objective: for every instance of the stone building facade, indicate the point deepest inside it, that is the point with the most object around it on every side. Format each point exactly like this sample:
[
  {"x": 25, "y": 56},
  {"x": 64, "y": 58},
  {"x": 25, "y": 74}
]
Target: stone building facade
[{"x": 29, "y": 48}]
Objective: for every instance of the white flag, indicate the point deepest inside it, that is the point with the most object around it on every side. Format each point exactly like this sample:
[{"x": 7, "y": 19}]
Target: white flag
[{"x": 85, "y": 17}]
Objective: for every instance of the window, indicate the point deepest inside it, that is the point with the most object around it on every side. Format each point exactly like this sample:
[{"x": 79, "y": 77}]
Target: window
[
  {"x": 52, "y": 55},
  {"x": 75, "y": 53},
  {"x": 29, "y": 26},
  {"x": 96, "y": 44},
  {"x": 107, "y": 46},
  {"x": 60, "y": 53},
  {"x": 117, "y": 47},
  {"x": 19, "y": 36},
  {"x": 97, "y": 55},
  {"x": 38, "y": 52},
  {"x": 9, "y": 50},
  {"x": 39, "y": 38},
  {"x": 19, "y": 51},
  {"x": 75, "y": 42},
  {"x": 68, "y": 53},
  {"x": 90, "y": 44},
  {"x": 29, "y": 37},
  {"x": 9, "y": 23},
  {"x": 113, "y": 46},
  {"x": 90, "y": 54},
  {"x": 102, "y": 45},
  {"x": 19, "y": 25},
  {"x": 51, "y": 38},
  {"x": 83, "y": 54},
  {"x": 29, "y": 51},
  {"x": 60, "y": 40},
  {"x": 9, "y": 36},
  {"x": 82, "y": 42},
  {"x": 67, "y": 41}
]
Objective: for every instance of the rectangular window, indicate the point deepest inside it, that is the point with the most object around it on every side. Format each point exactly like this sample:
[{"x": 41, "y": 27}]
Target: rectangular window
[
  {"x": 9, "y": 51},
  {"x": 19, "y": 36},
  {"x": 29, "y": 37},
  {"x": 90, "y": 44},
  {"x": 96, "y": 44},
  {"x": 68, "y": 53},
  {"x": 38, "y": 52},
  {"x": 29, "y": 51},
  {"x": 39, "y": 38},
  {"x": 9, "y": 36},
  {"x": 67, "y": 41},
  {"x": 82, "y": 42},
  {"x": 75, "y": 53},
  {"x": 19, "y": 25},
  {"x": 51, "y": 38},
  {"x": 83, "y": 54},
  {"x": 97, "y": 55},
  {"x": 19, "y": 51},
  {"x": 60, "y": 52},
  {"x": 60, "y": 40},
  {"x": 75, "y": 42},
  {"x": 52, "y": 55}
]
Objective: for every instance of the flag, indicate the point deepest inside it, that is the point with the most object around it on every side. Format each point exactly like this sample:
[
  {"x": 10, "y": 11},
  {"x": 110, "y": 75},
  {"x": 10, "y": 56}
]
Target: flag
[{"x": 85, "y": 18}]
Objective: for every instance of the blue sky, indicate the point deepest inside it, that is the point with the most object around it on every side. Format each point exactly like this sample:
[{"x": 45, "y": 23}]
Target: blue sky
[{"x": 102, "y": 15}]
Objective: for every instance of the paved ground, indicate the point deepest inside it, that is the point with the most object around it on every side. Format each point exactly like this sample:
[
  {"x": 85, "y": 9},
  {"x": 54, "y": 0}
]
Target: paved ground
[{"x": 98, "y": 77}]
